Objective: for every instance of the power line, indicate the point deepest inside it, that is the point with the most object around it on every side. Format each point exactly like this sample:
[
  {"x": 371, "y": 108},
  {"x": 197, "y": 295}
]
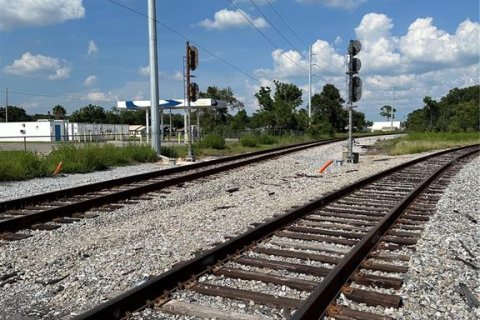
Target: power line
[
  {"x": 264, "y": 35},
  {"x": 186, "y": 39},
  {"x": 55, "y": 96},
  {"x": 276, "y": 29},
  {"x": 285, "y": 22}
]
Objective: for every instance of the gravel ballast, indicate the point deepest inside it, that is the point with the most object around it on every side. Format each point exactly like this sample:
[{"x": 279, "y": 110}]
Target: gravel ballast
[{"x": 74, "y": 268}]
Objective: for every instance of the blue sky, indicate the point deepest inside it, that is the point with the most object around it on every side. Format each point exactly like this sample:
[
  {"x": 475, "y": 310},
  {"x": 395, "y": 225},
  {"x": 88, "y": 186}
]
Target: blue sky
[{"x": 74, "y": 52}]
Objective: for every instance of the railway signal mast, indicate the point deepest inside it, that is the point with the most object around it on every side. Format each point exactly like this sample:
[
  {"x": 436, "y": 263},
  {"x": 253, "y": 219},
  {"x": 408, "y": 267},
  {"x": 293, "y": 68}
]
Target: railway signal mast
[
  {"x": 354, "y": 88},
  {"x": 192, "y": 94}
]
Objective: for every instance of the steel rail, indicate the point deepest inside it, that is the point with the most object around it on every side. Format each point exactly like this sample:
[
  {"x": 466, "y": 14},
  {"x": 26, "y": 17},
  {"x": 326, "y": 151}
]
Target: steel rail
[
  {"x": 25, "y": 221},
  {"x": 65, "y": 193},
  {"x": 54, "y": 195},
  {"x": 144, "y": 294},
  {"x": 317, "y": 303}
]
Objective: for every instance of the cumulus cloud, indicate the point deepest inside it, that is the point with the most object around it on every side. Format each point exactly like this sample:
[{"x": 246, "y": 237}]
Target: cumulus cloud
[
  {"x": 38, "y": 65},
  {"x": 341, "y": 4},
  {"x": 424, "y": 48},
  {"x": 225, "y": 19},
  {"x": 426, "y": 43},
  {"x": 423, "y": 61},
  {"x": 144, "y": 71},
  {"x": 20, "y": 13},
  {"x": 90, "y": 80},
  {"x": 92, "y": 48},
  {"x": 97, "y": 95},
  {"x": 378, "y": 44},
  {"x": 293, "y": 63}
]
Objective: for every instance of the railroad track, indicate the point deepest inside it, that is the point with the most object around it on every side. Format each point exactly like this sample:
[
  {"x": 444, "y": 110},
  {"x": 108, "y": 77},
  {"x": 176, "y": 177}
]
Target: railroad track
[
  {"x": 348, "y": 248},
  {"x": 50, "y": 210}
]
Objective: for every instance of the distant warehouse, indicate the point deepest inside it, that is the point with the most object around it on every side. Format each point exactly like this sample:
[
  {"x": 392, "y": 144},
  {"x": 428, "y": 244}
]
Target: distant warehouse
[
  {"x": 49, "y": 130},
  {"x": 385, "y": 126}
]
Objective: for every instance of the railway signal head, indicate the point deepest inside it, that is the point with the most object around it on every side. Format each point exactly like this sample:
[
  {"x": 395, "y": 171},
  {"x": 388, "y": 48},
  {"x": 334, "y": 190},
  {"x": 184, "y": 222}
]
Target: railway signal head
[
  {"x": 354, "y": 65},
  {"x": 355, "y": 88},
  {"x": 354, "y": 47},
  {"x": 193, "y": 92},
  {"x": 192, "y": 57}
]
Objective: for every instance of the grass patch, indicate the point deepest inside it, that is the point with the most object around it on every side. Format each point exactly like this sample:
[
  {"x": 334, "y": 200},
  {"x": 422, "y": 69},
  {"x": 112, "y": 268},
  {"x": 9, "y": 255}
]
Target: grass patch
[
  {"x": 213, "y": 141},
  {"x": 422, "y": 142},
  {"x": 92, "y": 157},
  {"x": 20, "y": 165}
]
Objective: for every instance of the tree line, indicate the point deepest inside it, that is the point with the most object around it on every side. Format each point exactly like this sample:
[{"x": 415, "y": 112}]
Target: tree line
[
  {"x": 458, "y": 111},
  {"x": 280, "y": 109}
]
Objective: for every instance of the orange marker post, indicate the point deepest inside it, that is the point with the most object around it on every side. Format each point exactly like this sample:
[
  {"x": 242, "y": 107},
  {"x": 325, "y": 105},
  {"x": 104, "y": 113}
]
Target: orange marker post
[
  {"x": 59, "y": 167},
  {"x": 325, "y": 166}
]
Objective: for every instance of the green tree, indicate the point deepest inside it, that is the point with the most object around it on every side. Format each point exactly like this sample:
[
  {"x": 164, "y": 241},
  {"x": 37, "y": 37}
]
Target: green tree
[
  {"x": 358, "y": 121},
  {"x": 457, "y": 111},
  {"x": 386, "y": 111},
  {"x": 89, "y": 114},
  {"x": 279, "y": 111},
  {"x": 240, "y": 121},
  {"x": 416, "y": 121},
  {"x": 225, "y": 94},
  {"x": 217, "y": 118},
  {"x": 133, "y": 117},
  {"x": 112, "y": 116},
  {"x": 327, "y": 110},
  {"x": 59, "y": 112},
  {"x": 15, "y": 114},
  {"x": 432, "y": 111}
]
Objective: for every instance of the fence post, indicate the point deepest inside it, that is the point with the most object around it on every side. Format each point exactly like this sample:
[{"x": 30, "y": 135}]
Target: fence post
[{"x": 25, "y": 143}]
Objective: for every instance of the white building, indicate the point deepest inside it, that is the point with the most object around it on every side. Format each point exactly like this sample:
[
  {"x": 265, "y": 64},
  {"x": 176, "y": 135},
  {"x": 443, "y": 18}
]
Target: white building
[
  {"x": 385, "y": 126},
  {"x": 49, "y": 130},
  {"x": 42, "y": 130}
]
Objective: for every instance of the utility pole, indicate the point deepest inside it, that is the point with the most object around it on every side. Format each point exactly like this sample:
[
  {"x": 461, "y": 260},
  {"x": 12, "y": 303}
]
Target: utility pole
[
  {"x": 152, "y": 28},
  {"x": 310, "y": 84},
  {"x": 6, "y": 104},
  {"x": 391, "y": 111}
]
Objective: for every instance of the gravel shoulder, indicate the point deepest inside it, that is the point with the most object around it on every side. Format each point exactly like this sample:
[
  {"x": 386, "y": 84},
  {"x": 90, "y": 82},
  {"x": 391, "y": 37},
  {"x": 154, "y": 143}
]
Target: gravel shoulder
[{"x": 78, "y": 266}]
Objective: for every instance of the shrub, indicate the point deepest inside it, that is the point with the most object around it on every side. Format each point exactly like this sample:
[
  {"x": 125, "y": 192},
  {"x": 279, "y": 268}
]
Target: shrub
[
  {"x": 214, "y": 141},
  {"x": 266, "y": 139},
  {"x": 249, "y": 141},
  {"x": 20, "y": 165},
  {"x": 169, "y": 152}
]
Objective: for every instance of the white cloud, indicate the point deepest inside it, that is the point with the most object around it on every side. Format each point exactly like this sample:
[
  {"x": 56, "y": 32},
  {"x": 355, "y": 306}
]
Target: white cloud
[
  {"x": 425, "y": 43},
  {"x": 341, "y": 4},
  {"x": 144, "y": 71},
  {"x": 424, "y": 61},
  {"x": 17, "y": 13},
  {"x": 338, "y": 41},
  {"x": 38, "y": 65},
  {"x": 225, "y": 19},
  {"x": 293, "y": 63},
  {"x": 97, "y": 95},
  {"x": 378, "y": 45},
  {"x": 92, "y": 48},
  {"x": 178, "y": 75},
  {"x": 90, "y": 80},
  {"x": 258, "y": 2}
]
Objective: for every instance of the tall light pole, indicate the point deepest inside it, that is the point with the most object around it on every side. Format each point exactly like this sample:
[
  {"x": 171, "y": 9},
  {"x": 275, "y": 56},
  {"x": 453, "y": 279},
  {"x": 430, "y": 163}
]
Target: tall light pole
[
  {"x": 152, "y": 30},
  {"x": 309, "y": 84}
]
